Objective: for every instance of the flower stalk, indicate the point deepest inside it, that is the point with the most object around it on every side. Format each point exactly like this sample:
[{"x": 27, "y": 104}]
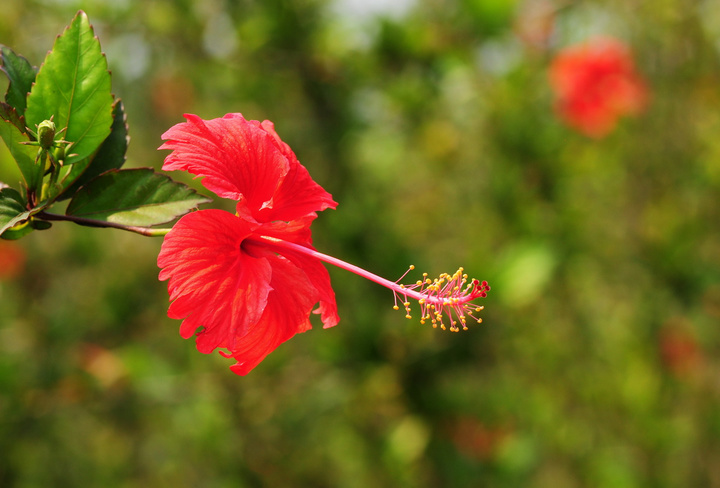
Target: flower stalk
[{"x": 446, "y": 301}]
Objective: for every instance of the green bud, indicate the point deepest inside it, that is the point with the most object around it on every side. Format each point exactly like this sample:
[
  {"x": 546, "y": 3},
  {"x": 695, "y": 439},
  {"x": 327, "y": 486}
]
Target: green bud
[
  {"x": 46, "y": 134},
  {"x": 59, "y": 153}
]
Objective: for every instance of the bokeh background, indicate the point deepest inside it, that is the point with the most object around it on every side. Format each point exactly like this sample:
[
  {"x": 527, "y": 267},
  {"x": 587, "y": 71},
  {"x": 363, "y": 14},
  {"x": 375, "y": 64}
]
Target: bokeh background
[{"x": 432, "y": 124}]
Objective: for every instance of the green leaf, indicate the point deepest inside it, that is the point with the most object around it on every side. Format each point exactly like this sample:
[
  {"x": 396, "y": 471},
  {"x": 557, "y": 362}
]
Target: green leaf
[
  {"x": 23, "y": 229},
  {"x": 11, "y": 131},
  {"x": 134, "y": 197},
  {"x": 111, "y": 154},
  {"x": 73, "y": 86},
  {"x": 12, "y": 209},
  {"x": 21, "y": 75}
]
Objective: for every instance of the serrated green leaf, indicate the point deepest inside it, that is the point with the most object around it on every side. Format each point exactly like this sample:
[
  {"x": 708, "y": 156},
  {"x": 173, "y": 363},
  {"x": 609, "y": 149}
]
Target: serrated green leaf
[
  {"x": 12, "y": 209},
  {"x": 10, "y": 124},
  {"x": 21, "y": 75},
  {"x": 10, "y": 114},
  {"x": 134, "y": 197},
  {"x": 111, "y": 154},
  {"x": 73, "y": 86}
]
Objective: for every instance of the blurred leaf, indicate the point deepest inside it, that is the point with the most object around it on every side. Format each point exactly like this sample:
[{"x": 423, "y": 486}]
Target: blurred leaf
[
  {"x": 526, "y": 271},
  {"x": 73, "y": 86},
  {"x": 409, "y": 439},
  {"x": 137, "y": 197},
  {"x": 490, "y": 16},
  {"x": 111, "y": 154},
  {"x": 21, "y": 75},
  {"x": 12, "y": 132}
]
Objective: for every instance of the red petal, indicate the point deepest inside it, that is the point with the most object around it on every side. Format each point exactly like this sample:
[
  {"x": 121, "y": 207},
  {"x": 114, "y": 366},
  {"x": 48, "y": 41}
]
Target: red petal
[
  {"x": 298, "y": 194},
  {"x": 212, "y": 282},
  {"x": 320, "y": 278},
  {"x": 298, "y": 231},
  {"x": 238, "y": 159},
  {"x": 286, "y": 314}
]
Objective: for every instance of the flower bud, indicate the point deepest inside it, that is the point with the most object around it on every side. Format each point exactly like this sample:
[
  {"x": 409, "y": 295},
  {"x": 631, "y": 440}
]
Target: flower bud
[{"x": 46, "y": 134}]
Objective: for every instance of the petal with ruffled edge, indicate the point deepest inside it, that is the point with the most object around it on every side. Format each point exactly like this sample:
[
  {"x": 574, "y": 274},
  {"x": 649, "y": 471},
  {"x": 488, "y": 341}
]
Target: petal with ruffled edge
[
  {"x": 286, "y": 314},
  {"x": 298, "y": 194},
  {"x": 212, "y": 282},
  {"x": 238, "y": 159}
]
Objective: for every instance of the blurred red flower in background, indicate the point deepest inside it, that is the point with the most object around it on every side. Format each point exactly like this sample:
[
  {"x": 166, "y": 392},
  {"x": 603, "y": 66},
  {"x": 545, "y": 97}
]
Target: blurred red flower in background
[
  {"x": 477, "y": 440},
  {"x": 596, "y": 83},
  {"x": 680, "y": 351},
  {"x": 12, "y": 260},
  {"x": 223, "y": 273}
]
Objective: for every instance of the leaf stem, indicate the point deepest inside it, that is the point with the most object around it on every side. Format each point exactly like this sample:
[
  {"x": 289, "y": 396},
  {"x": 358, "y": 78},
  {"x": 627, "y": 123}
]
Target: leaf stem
[{"x": 145, "y": 231}]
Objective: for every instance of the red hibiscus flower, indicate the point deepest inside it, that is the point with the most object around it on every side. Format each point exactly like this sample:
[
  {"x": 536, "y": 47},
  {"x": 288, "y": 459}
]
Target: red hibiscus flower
[
  {"x": 596, "y": 83},
  {"x": 247, "y": 282},
  {"x": 247, "y": 298}
]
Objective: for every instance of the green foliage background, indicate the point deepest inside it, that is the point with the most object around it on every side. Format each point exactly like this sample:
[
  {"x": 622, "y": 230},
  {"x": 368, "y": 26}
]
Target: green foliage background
[{"x": 597, "y": 363}]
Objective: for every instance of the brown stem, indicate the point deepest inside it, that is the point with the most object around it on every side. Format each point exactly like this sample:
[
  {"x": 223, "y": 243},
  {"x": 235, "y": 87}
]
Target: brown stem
[{"x": 145, "y": 231}]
